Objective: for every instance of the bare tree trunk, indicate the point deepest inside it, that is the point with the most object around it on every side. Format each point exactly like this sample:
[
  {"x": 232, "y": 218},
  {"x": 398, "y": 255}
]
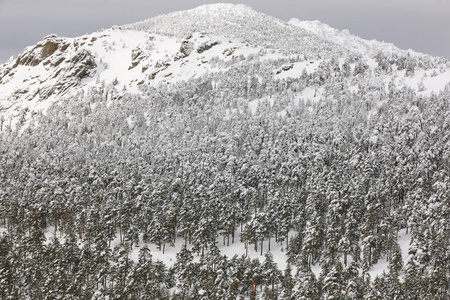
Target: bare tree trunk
[
  {"x": 234, "y": 229},
  {"x": 232, "y": 235},
  {"x": 131, "y": 241},
  {"x": 164, "y": 244},
  {"x": 55, "y": 220},
  {"x": 175, "y": 230},
  {"x": 120, "y": 232}
]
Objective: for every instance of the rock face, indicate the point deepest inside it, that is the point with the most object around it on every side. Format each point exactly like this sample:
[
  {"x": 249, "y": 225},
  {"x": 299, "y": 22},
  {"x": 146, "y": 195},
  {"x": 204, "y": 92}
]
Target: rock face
[
  {"x": 57, "y": 70},
  {"x": 81, "y": 66},
  {"x": 49, "y": 70},
  {"x": 48, "y": 49},
  {"x": 83, "y": 62},
  {"x": 41, "y": 51},
  {"x": 197, "y": 42}
]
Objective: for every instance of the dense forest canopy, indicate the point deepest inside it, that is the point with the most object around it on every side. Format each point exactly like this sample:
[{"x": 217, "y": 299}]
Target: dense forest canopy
[{"x": 343, "y": 175}]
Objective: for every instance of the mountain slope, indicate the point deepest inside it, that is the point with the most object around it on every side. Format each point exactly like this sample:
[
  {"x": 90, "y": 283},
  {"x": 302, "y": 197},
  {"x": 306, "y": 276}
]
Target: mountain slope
[
  {"x": 189, "y": 44},
  {"x": 347, "y": 40}
]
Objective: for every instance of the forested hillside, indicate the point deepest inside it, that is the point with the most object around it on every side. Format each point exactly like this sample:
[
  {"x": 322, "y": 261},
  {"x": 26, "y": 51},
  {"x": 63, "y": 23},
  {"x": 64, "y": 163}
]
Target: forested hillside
[{"x": 325, "y": 161}]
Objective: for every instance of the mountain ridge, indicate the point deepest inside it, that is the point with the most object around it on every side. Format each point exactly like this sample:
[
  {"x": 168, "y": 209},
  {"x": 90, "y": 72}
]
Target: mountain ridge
[
  {"x": 346, "y": 38},
  {"x": 210, "y": 39}
]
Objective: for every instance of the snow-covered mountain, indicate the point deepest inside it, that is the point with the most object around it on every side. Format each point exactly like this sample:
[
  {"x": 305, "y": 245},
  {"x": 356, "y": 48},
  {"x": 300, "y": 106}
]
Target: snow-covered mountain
[
  {"x": 189, "y": 44},
  {"x": 220, "y": 153}
]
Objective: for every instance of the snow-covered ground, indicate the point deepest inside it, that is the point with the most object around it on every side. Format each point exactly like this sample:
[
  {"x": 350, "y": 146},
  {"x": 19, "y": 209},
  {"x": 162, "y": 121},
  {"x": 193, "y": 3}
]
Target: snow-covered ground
[
  {"x": 382, "y": 266},
  {"x": 278, "y": 251}
]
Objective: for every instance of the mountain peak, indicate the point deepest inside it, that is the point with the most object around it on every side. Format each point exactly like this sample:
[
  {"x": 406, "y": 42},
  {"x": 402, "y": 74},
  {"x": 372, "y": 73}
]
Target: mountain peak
[
  {"x": 209, "y": 18},
  {"x": 239, "y": 22},
  {"x": 224, "y": 7}
]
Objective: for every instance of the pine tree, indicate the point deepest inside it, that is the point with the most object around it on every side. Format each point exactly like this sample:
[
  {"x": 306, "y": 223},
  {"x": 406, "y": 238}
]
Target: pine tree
[
  {"x": 143, "y": 273},
  {"x": 271, "y": 276},
  {"x": 7, "y": 270},
  {"x": 306, "y": 285},
  {"x": 124, "y": 266},
  {"x": 184, "y": 267},
  {"x": 395, "y": 261},
  {"x": 333, "y": 281},
  {"x": 287, "y": 283},
  {"x": 223, "y": 282},
  {"x": 355, "y": 285}
]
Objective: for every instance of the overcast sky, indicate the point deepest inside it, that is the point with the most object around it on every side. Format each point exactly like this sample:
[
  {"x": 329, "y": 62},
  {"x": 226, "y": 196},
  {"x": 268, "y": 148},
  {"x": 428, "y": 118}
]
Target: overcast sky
[{"x": 422, "y": 25}]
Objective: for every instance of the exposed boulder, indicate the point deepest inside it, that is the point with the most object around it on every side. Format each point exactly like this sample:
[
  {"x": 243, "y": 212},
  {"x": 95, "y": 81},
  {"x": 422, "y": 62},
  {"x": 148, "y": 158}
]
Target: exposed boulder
[
  {"x": 136, "y": 56},
  {"x": 185, "y": 49},
  {"x": 206, "y": 46}
]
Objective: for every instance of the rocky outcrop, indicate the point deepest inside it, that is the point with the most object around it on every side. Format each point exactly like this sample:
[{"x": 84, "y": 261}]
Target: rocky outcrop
[
  {"x": 82, "y": 64},
  {"x": 285, "y": 68},
  {"x": 185, "y": 49},
  {"x": 76, "y": 68},
  {"x": 206, "y": 46},
  {"x": 189, "y": 45},
  {"x": 48, "y": 49},
  {"x": 65, "y": 68},
  {"x": 33, "y": 56},
  {"x": 136, "y": 56}
]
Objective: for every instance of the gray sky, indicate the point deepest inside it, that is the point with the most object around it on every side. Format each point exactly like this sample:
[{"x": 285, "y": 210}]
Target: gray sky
[{"x": 422, "y": 25}]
